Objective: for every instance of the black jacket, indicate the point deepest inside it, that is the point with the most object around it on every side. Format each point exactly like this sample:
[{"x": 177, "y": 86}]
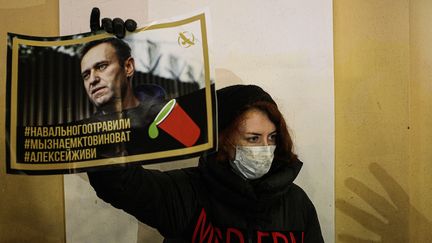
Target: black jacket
[{"x": 210, "y": 203}]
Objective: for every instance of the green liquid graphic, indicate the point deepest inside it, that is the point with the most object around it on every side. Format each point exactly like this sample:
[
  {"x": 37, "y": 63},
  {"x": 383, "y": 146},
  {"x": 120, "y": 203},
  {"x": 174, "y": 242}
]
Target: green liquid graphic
[{"x": 163, "y": 113}]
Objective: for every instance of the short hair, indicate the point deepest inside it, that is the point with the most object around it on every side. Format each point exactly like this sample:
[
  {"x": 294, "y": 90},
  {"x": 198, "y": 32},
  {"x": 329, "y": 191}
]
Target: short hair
[{"x": 122, "y": 49}]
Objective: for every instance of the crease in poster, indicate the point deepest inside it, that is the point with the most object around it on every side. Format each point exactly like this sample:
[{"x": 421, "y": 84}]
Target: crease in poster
[{"x": 85, "y": 101}]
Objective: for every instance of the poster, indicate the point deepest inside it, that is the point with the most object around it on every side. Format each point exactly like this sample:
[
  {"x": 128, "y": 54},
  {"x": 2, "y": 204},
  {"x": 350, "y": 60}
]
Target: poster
[{"x": 78, "y": 102}]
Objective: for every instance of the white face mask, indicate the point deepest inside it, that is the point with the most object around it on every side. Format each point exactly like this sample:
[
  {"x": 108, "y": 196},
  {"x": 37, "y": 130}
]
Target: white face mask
[{"x": 253, "y": 161}]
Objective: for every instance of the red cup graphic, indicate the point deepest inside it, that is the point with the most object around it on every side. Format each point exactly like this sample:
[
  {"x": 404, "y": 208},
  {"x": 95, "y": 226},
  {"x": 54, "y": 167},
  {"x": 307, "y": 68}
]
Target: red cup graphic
[{"x": 176, "y": 122}]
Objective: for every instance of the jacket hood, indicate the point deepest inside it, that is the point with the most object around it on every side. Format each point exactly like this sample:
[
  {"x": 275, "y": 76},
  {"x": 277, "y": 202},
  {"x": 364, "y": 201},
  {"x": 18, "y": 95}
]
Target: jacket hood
[{"x": 241, "y": 193}]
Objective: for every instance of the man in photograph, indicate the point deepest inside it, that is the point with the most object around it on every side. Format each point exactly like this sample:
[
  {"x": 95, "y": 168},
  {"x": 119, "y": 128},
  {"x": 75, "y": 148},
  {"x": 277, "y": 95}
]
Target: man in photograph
[{"x": 107, "y": 69}]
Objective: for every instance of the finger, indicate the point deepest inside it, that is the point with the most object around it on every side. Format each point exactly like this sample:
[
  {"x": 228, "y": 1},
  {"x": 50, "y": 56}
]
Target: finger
[
  {"x": 119, "y": 27},
  {"x": 378, "y": 202},
  {"x": 130, "y": 25},
  {"x": 94, "y": 19},
  {"x": 397, "y": 194},
  {"x": 367, "y": 220},
  {"x": 107, "y": 25}
]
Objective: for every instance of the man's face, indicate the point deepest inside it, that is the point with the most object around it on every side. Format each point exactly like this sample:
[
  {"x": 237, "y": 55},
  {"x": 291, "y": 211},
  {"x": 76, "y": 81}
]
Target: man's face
[{"x": 104, "y": 77}]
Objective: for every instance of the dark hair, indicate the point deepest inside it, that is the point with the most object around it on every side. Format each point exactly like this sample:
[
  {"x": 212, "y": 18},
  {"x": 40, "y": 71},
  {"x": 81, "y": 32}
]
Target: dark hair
[
  {"x": 284, "y": 144},
  {"x": 123, "y": 50}
]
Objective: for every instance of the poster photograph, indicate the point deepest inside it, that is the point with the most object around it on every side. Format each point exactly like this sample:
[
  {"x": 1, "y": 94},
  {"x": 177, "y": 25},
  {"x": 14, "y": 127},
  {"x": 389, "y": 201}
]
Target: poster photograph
[{"x": 84, "y": 101}]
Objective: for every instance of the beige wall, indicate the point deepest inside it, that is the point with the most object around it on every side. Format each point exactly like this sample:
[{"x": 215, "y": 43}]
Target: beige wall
[
  {"x": 383, "y": 120},
  {"x": 31, "y": 208}
]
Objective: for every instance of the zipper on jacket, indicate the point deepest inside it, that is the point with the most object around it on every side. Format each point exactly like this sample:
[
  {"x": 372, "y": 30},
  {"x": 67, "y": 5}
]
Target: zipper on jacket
[{"x": 249, "y": 231}]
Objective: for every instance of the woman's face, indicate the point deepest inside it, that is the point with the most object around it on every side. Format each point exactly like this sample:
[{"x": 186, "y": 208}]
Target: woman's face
[{"x": 255, "y": 129}]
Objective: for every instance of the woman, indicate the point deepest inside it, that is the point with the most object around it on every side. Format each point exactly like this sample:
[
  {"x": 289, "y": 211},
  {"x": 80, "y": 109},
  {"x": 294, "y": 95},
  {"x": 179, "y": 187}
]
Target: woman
[{"x": 242, "y": 193}]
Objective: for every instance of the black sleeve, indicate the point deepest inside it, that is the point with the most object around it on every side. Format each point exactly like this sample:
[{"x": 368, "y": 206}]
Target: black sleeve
[
  {"x": 313, "y": 230},
  {"x": 163, "y": 200}
]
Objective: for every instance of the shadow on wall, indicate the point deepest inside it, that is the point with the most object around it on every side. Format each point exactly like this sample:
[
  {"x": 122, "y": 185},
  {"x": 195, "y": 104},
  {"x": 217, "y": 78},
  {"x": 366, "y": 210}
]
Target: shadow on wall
[{"x": 397, "y": 213}]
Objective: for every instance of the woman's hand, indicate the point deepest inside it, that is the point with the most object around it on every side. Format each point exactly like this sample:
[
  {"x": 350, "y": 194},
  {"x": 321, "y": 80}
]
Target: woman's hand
[{"x": 116, "y": 26}]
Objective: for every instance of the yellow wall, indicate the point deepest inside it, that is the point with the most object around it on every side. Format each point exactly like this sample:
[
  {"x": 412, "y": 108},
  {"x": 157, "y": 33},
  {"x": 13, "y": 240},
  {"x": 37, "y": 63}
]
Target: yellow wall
[
  {"x": 31, "y": 208},
  {"x": 421, "y": 120},
  {"x": 383, "y": 120}
]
